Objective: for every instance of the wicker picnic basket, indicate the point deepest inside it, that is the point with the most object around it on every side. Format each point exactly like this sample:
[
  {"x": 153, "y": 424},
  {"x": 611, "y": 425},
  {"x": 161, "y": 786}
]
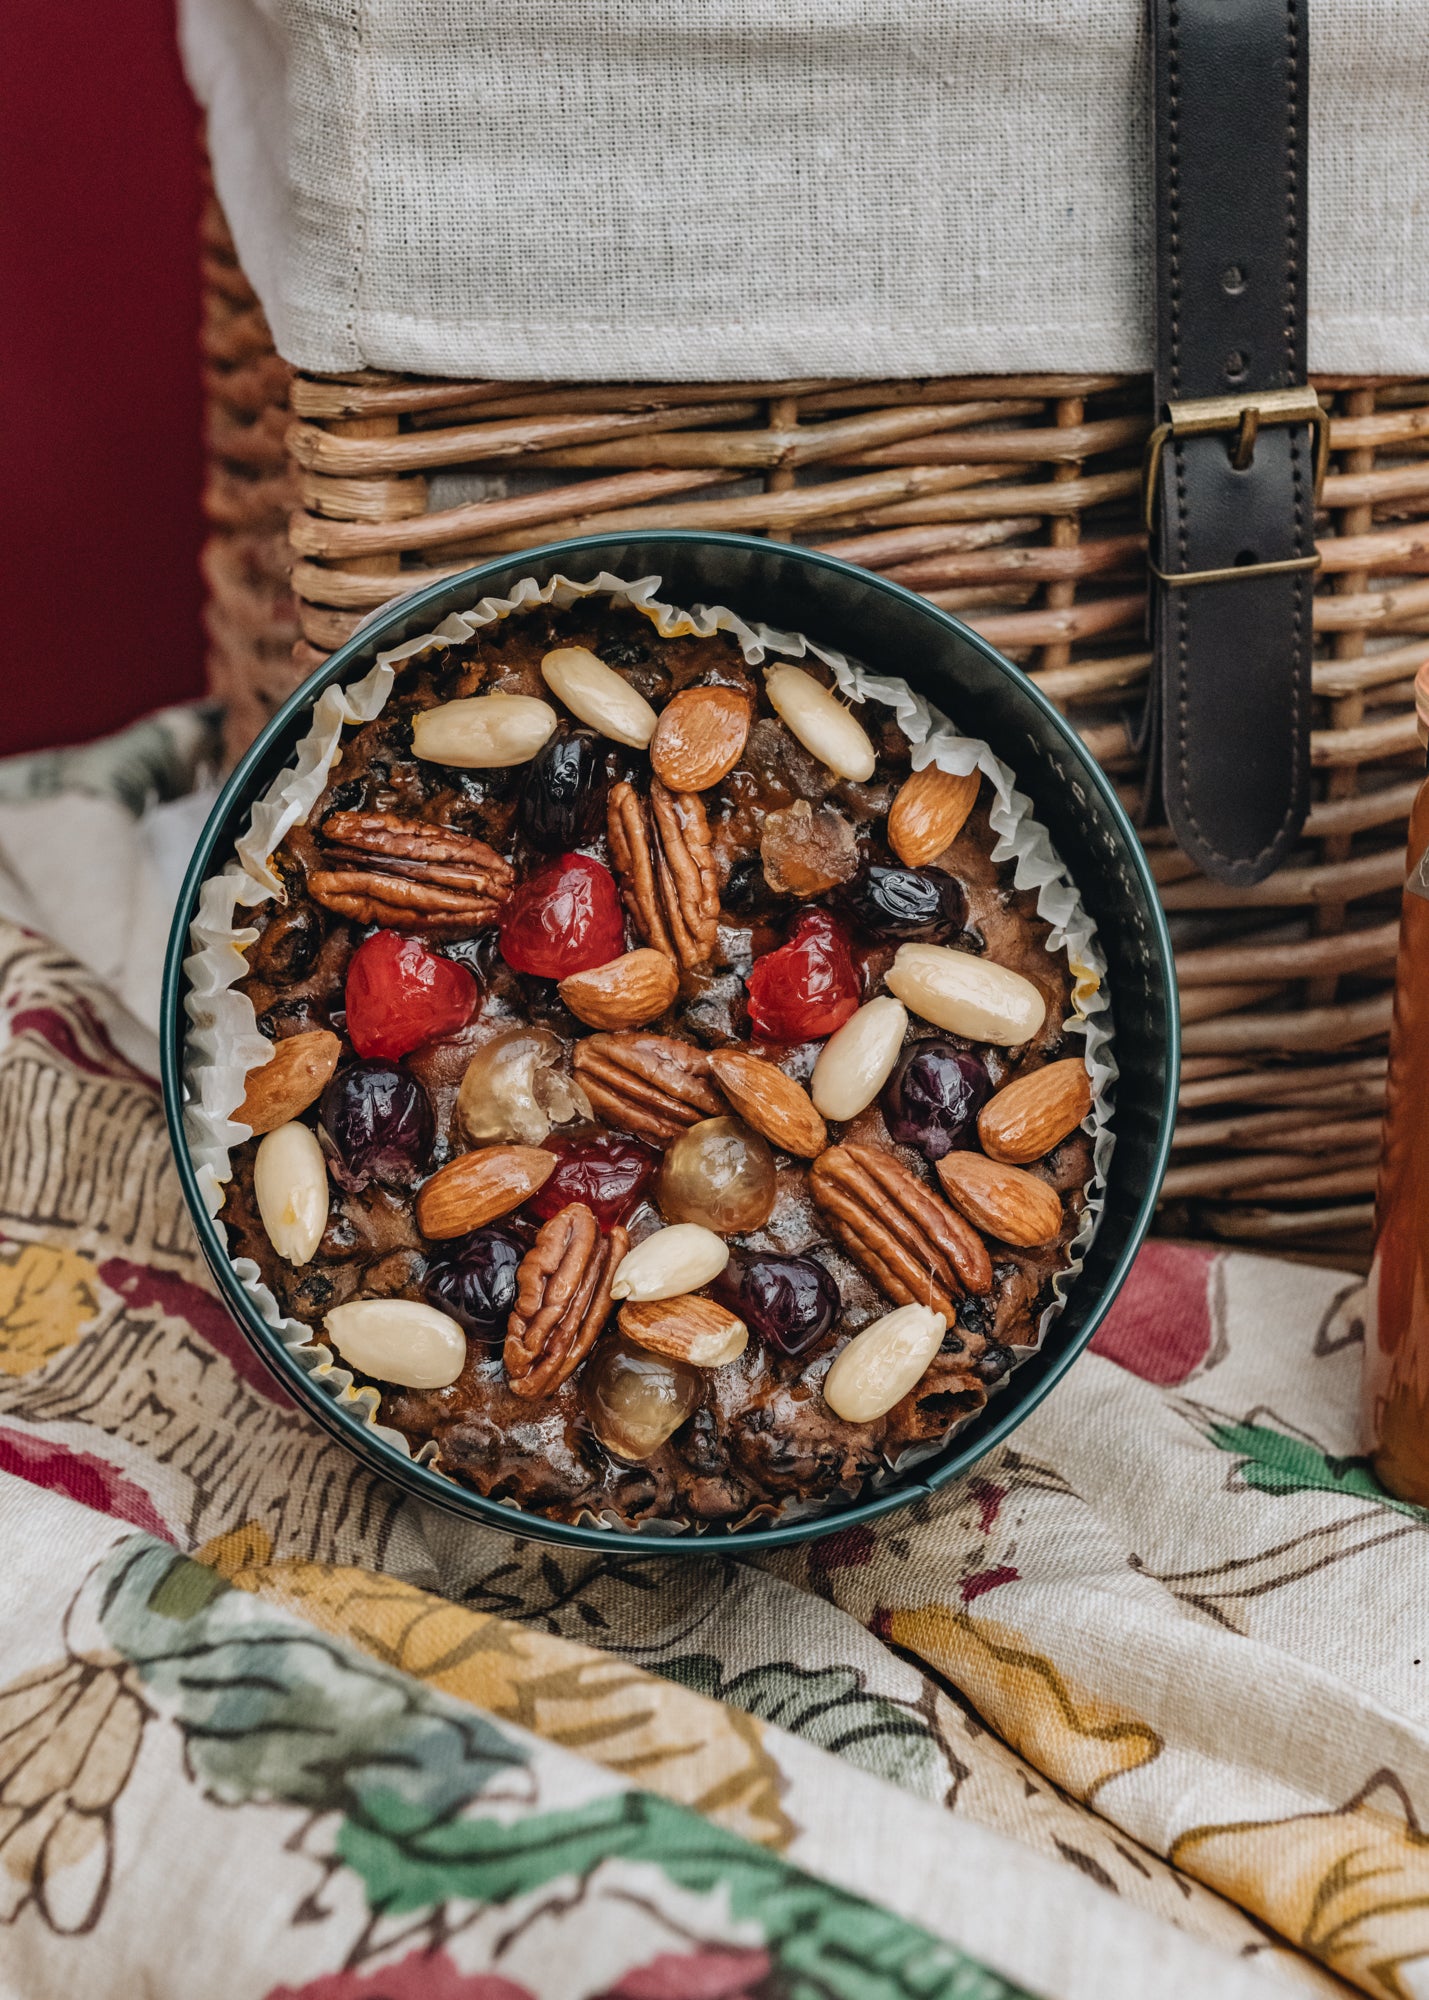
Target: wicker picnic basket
[
  {"x": 1013, "y": 501},
  {"x": 249, "y": 492}
]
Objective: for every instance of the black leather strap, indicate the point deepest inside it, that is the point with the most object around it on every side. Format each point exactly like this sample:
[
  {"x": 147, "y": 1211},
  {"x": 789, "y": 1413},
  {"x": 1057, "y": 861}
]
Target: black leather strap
[{"x": 1231, "y": 681}]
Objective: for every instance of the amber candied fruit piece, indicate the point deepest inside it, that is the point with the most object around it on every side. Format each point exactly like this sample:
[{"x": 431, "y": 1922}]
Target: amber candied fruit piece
[
  {"x": 807, "y": 849},
  {"x": 636, "y": 1400},
  {"x": 720, "y": 1175}
]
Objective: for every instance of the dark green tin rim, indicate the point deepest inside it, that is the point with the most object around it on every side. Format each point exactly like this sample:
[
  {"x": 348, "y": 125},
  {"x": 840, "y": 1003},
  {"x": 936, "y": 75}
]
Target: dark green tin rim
[{"x": 989, "y": 1429}]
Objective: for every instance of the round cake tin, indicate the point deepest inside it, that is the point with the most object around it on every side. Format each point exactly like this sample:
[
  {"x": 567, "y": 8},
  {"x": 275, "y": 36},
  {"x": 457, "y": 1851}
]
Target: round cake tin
[{"x": 892, "y": 631}]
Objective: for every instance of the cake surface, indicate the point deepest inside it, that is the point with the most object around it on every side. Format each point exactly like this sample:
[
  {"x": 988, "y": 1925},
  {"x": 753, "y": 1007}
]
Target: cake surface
[{"x": 697, "y": 943}]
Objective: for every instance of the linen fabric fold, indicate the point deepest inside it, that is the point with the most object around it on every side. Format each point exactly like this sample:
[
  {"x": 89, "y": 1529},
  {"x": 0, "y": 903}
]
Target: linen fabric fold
[{"x": 698, "y": 189}]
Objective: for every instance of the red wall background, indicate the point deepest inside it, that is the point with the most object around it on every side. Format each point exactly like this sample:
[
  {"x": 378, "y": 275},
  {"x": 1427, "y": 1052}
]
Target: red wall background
[{"x": 100, "y": 465}]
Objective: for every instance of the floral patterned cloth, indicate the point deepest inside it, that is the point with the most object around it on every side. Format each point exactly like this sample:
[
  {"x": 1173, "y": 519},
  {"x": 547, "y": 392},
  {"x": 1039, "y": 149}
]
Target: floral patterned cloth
[{"x": 1142, "y": 1705}]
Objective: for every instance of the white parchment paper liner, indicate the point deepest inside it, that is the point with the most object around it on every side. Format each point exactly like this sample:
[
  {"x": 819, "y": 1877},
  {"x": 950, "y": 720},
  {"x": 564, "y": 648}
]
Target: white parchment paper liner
[{"x": 224, "y": 1042}]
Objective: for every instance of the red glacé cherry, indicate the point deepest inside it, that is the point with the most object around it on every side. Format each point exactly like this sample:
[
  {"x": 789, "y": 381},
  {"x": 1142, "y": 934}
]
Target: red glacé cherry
[
  {"x": 608, "y": 1173},
  {"x": 400, "y": 995},
  {"x": 563, "y": 919},
  {"x": 808, "y": 987}
]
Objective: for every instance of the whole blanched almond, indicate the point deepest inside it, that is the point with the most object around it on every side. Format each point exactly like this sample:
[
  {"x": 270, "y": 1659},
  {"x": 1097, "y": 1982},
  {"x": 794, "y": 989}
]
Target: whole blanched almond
[
  {"x": 857, "y": 1059},
  {"x": 290, "y": 1188},
  {"x": 670, "y": 1262},
  {"x": 778, "y": 1108},
  {"x": 1036, "y": 1113},
  {"x": 294, "y": 1077},
  {"x": 598, "y": 696},
  {"x": 880, "y": 1365},
  {"x": 483, "y": 732},
  {"x": 1002, "y": 1201},
  {"x": 821, "y": 722},
  {"x": 968, "y": 996},
  {"x": 475, "y": 1188},
  {"x": 626, "y": 993},
  {"x": 398, "y": 1340},
  {"x": 689, "y": 1328},
  {"x": 699, "y": 738},
  {"x": 928, "y": 814}
]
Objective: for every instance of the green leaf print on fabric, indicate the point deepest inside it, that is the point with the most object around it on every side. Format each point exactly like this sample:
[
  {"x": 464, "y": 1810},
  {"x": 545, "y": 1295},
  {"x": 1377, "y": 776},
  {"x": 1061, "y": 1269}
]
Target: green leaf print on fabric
[
  {"x": 437, "y": 1803},
  {"x": 274, "y": 1711},
  {"x": 827, "y": 1946},
  {"x": 1274, "y": 1462},
  {"x": 830, "y": 1707}
]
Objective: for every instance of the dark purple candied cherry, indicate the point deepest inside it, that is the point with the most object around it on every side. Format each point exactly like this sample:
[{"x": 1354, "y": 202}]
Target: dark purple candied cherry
[
  {"x": 475, "y": 1281},
  {"x": 934, "y": 1096},
  {"x": 563, "y": 800},
  {"x": 789, "y": 1301},
  {"x": 900, "y": 904},
  {"x": 378, "y": 1121}
]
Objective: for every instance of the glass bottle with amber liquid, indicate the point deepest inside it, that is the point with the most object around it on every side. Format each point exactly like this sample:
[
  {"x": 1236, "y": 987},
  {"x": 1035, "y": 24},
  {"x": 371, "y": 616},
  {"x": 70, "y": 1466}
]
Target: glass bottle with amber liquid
[{"x": 1396, "y": 1381}]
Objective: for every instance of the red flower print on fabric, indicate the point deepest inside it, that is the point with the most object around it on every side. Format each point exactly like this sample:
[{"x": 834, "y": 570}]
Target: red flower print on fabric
[
  {"x": 82, "y": 1476},
  {"x": 700, "y": 1975},
  {"x": 1160, "y": 1326},
  {"x": 421, "y": 1975}
]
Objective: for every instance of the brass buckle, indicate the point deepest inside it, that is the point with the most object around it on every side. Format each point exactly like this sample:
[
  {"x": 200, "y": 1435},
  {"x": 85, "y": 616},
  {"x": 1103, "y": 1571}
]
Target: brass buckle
[
  {"x": 1182, "y": 579},
  {"x": 1244, "y": 415}
]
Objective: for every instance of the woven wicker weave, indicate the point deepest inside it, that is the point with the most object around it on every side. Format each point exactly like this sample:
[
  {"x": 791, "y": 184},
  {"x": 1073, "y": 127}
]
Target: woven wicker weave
[
  {"x": 250, "y": 616},
  {"x": 1012, "y": 501}
]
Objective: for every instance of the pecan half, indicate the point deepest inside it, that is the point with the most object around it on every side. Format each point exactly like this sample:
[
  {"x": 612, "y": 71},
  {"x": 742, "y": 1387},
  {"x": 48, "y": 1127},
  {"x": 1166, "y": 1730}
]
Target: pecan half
[
  {"x": 912, "y": 1244},
  {"x": 652, "y": 1085},
  {"x": 562, "y": 1300},
  {"x": 662, "y": 854},
  {"x": 387, "y": 870}
]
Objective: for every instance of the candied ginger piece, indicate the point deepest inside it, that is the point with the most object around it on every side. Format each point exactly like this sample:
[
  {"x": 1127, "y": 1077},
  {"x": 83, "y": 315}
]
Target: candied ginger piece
[{"x": 807, "y": 849}]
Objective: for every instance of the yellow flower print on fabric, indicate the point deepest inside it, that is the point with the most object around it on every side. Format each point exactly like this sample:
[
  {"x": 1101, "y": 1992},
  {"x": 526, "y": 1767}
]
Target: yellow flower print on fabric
[
  {"x": 47, "y": 1296},
  {"x": 69, "y": 1734},
  {"x": 697, "y": 1752},
  {"x": 245, "y": 1547},
  {"x": 1351, "y": 1887},
  {"x": 1077, "y": 1738}
]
